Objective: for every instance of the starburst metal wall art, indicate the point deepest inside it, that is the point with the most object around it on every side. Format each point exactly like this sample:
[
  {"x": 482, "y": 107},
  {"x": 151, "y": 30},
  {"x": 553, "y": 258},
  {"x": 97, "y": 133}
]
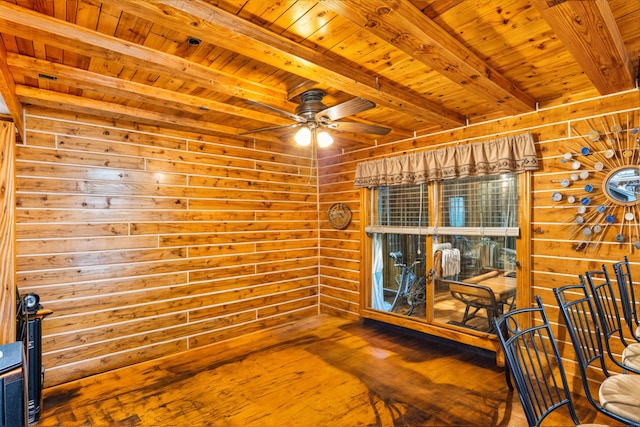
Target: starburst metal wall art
[{"x": 603, "y": 185}]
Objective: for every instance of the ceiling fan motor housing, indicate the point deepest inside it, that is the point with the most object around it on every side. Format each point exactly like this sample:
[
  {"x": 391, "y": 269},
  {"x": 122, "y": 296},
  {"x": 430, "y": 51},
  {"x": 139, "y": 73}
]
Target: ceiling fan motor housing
[{"x": 311, "y": 103}]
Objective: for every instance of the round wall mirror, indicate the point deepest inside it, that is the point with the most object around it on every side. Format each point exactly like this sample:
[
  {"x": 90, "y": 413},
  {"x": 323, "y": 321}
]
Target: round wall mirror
[{"x": 622, "y": 185}]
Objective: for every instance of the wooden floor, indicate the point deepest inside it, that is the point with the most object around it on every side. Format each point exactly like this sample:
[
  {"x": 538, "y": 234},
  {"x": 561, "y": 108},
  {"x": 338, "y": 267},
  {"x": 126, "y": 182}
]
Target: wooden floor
[{"x": 323, "y": 371}]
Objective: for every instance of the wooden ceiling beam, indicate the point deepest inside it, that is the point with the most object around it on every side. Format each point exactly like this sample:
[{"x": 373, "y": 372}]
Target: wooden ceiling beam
[
  {"x": 230, "y": 32},
  {"x": 87, "y": 80},
  {"x": 406, "y": 27},
  {"x": 589, "y": 31},
  {"x": 77, "y": 104},
  {"x": 30, "y": 25},
  {"x": 7, "y": 90}
]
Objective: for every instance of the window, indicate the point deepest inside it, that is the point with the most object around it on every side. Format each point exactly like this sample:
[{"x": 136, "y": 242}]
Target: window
[
  {"x": 480, "y": 215},
  {"x": 398, "y": 229},
  {"x": 474, "y": 217}
]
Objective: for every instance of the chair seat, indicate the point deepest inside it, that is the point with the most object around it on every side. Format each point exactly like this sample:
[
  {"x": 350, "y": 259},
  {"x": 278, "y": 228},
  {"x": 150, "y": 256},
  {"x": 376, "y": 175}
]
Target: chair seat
[
  {"x": 637, "y": 333},
  {"x": 619, "y": 394},
  {"x": 631, "y": 356}
]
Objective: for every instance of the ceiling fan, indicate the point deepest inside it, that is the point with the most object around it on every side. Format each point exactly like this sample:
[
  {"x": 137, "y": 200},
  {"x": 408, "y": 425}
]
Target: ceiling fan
[{"x": 312, "y": 117}]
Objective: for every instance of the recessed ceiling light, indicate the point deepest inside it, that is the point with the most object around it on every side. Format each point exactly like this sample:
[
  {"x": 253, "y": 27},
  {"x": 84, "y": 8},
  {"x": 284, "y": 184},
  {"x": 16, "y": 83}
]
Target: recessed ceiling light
[
  {"x": 47, "y": 77},
  {"x": 194, "y": 41}
]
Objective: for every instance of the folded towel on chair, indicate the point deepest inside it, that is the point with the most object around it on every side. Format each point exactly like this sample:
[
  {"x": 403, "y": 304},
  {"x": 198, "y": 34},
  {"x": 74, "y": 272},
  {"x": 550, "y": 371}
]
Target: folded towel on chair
[{"x": 450, "y": 262}]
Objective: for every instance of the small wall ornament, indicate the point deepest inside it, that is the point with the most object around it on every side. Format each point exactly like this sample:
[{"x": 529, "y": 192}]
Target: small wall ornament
[
  {"x": 339, "y": 216},
  {"x": 603, "y": 186}
]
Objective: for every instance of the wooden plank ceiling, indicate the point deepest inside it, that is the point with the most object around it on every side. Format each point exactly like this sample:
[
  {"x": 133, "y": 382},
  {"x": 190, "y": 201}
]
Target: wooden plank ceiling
[{"x": 208, "y": 66}]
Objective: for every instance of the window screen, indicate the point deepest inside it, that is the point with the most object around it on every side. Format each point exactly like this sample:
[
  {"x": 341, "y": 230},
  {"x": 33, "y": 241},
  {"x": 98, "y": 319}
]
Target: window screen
[
  {"x": 403, "y": 206},
  {"x": 483, "y": 215},
  {"x": 488, "y": 201}
]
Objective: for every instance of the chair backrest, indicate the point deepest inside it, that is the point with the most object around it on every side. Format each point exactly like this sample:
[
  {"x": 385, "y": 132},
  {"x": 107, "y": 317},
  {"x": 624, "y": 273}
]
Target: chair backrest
[
  {"x": 618, "y": 391},
  {"x": 534, "y": 361},
  {"x": 473, "y": 290},
  {"x": 605, "y": 301},
  {"x": 627, "y": 294},
  {"x": 580, "y": 319}
]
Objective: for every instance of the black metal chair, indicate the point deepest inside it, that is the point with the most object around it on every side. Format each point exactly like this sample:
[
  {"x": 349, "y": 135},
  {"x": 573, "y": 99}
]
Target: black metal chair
[
  {"x": 617, "y": 393},
  {"x": 532, "y": 357},
  {"x": 611, "y": 326},
  {"x": 622, "y": 271}
]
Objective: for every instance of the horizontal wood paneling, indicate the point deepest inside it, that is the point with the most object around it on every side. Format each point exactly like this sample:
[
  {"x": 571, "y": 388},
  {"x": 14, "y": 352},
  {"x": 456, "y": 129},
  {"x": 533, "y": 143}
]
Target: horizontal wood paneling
[
  {"x": 267, "y": 322},
  {"x": 146, "y": 242},
  {"x": 140, "y": 232}
]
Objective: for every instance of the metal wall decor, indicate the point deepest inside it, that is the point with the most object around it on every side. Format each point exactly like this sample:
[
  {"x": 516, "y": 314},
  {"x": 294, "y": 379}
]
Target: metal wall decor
[{"x": 603, "y": 182}]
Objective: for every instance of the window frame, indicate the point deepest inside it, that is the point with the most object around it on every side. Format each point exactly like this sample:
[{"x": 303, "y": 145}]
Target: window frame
[{"x": 523, "y": 248}]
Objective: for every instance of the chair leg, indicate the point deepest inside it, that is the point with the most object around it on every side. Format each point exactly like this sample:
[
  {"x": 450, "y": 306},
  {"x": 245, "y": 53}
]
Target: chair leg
[
  {"x": 491, "y": 314},
  {"x": 465, "y": 316},
  {"x": 468, "y": 316}
]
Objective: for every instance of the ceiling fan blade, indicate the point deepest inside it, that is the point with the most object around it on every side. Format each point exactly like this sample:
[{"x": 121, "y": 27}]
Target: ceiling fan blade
[
  {"x": 354, "y": 106},
  {"x": 359, "y": 128},
  {"x": 269, "y": 129},
  {"x": 286, "y": 114}
]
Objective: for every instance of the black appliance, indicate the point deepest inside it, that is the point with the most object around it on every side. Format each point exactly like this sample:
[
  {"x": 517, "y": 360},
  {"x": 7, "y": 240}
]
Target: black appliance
[
  {"x": 13, "y": 410},
  {"x": 29, "y": 329}
]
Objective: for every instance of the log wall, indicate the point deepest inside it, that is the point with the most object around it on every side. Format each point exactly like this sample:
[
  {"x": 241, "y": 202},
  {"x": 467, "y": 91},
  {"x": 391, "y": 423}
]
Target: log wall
[{"x": 147, "y": 242}]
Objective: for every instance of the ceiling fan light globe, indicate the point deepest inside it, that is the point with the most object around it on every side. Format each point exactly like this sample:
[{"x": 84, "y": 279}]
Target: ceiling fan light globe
[
  {"x": 303, "y": 136},
  {"x": 324, "y": 139}
]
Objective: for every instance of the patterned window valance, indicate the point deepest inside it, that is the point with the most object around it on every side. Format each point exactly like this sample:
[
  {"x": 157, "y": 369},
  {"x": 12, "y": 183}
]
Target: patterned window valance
[{"x": 511, "y": 154}]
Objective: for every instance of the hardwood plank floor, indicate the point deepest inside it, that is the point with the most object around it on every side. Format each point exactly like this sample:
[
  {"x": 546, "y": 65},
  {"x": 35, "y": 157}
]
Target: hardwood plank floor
[{"x": 324, "y": 371}]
